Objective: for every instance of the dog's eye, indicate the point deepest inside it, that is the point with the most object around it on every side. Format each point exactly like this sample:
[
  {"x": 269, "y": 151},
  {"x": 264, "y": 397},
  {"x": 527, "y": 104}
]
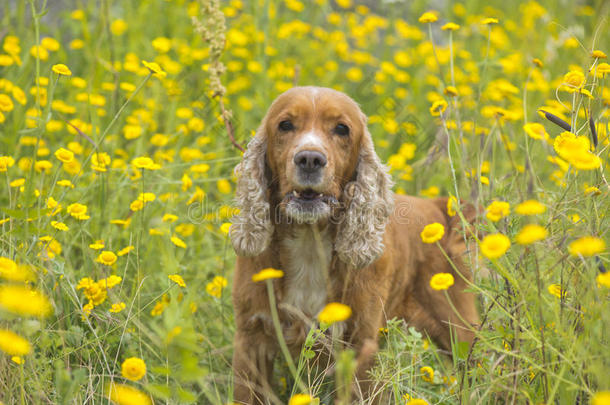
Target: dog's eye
[
  {"x": 341, "y": 129},
  {"x": 286, "y": 126}
]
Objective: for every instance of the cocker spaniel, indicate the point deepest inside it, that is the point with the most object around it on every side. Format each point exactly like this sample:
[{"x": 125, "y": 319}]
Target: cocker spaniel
[{"x": 316, "y": 202}]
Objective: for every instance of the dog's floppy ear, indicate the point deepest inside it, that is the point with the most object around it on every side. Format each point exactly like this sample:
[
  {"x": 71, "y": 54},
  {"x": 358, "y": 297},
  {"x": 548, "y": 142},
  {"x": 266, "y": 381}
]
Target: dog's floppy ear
[
  {"x": 252, "y": 229},
  {"x": 369, "y": 203}
]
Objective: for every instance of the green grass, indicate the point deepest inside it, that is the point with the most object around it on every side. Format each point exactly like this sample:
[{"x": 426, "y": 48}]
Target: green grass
[{"x": 532, "y": 346}]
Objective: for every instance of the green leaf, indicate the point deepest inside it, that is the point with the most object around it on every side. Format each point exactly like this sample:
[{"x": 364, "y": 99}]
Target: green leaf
[
  {"x": 186, "y": 396},
  {"x": 159, "y": 391}
]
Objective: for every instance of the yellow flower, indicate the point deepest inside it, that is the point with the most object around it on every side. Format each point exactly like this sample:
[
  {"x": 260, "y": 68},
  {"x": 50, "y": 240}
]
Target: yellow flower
[
  {"x": 531, "y": 233},
  {"x": 24, "y": 301},
  {"x": 147, "y": 197},
  {"x": 6, "y": 162},
  {"x": 267, "y": 274},
  {"x": 417, "y": 401},
  {"x": 223, "y": 186},
  {"x": 427, "y": 374},
  {"x": 530, "y": 207},
  {"x": 334, "y": 312},
  {"x": 430, "y": 192},
  {"x": 100, "y": 161},
  {"x": 94, "y": 291},
  {"x": 136, "y": 205},
  {"x": 87, "y": 308},
  {"x": 125, "y": 250},
  {"x": 494, "y": 246},
  {"x": 43, "y": 166},
  {"x": 50, "y": 44},
  {"x": 592, "y": 190},
  {"x": 17, "y": 360},
  {"x": 354, "y": 74},
  {"x": 587, "y": 246},
  {"x": 187, "y": 182},
  {"x": 61, "y": 69},
  {"x": 144, "y": 162},
  {"x": 537, "y": 62},
  {"x": 300, "y": 399},
  {"x": 438, "y": 107},
  {"x": 177, "y": 278},
  {"x": 452, "y": 202},
  {"x": 225, "y": 227},
  {"x": 598, "y": 54},
  {"x": 39, "y": 52},
  {"x": 556, "y": 290},
  {"x": 110, "y": 281},
  {"x": 573, "y": 80},
  {"x": 122, "y": 222},
  {"x": 6, "y": 104},
  {"x": 98, "y": 245},
  {"x": 77, "y": 14},
  {"x": 489, "y": 21},
  {"x": 169, "y": 218},
  {"x": 126, "y": 395},
  {"x": 214, "y": 287},
  {"x": 8, "y": 268},
  {"x": 155, "y": 69},
  {"x": 428, "y": 17},
  {"x": 178, "y": 242},
  {"x": 432, "y": 232},
  {"x": 451, "y": 91},
  {"x": 6, "y": 60},
  {"x": 107, "y": 258},
  {"x": 118, "y": 27},
  {"x": 497, "y": 210},
  {"x": 133, "y": 368},
  {"x": 64, "y": 155},
  {"x": 603, "y": 68},
  {"x": 158, "y": 308},
  {"x": 78, "y": 211},
  {"x": 60, "y": 226},
  {"x": 17, "y": 182},
  {"x": 132, "y": 131},
  {"x": 450, "y": 26},
  {"x": 65, "y": 183},
  {"x": 601, "y": 398},
  {"x": 441, "y": 281},
  {"x": 535, "y": 130},
  {"x": 13, "y": 344},
  {"x": 344, "y": 3},
  {"x": 116, "y": 308},
  {"x": 603, "y": 279},
  {"x": 162, "y": 44}
]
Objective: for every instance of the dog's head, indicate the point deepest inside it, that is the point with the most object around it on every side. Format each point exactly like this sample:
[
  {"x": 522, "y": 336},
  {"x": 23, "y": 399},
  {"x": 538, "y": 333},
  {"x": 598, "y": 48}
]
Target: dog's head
[{"x": 314, "y": 152}]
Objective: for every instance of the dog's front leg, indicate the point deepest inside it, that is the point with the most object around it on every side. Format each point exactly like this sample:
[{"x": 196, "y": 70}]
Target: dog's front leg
[
  {"x": 254, "y": 352},
  {"x": 367, "y": 303},
  {"x": 365, "y": 342}
]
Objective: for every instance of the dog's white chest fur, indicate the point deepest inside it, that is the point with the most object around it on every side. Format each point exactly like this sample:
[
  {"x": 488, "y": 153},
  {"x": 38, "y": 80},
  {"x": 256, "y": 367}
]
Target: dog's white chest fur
[{"x": 307, "y": 264}]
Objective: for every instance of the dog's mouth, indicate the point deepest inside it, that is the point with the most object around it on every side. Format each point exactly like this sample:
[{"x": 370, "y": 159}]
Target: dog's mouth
[
  {"x": 308, "y": 205},
  {"x": 308, "y": 196}
]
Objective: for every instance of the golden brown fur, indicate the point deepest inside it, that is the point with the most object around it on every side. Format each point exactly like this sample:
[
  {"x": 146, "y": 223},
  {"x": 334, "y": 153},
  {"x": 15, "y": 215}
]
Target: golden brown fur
[{"x": 355, "y": 242}]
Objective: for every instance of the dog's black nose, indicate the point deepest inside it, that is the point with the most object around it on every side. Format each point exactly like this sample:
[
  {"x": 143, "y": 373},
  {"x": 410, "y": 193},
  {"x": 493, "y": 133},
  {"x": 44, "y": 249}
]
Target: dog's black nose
[{"x": 310, "y": 160}]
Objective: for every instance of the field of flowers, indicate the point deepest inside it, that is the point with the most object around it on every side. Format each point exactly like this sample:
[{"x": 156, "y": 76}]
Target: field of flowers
[{"x": 116, "y": 187}]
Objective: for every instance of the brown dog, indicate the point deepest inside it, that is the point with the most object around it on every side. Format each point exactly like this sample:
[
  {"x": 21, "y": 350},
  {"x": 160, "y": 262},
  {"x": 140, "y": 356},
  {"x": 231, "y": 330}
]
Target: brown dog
[{"x": 316, "y": 202}]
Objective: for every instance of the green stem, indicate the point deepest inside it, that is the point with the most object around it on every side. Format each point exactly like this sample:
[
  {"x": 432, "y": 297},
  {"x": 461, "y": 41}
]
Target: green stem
[{"x": 280, "y": 336}]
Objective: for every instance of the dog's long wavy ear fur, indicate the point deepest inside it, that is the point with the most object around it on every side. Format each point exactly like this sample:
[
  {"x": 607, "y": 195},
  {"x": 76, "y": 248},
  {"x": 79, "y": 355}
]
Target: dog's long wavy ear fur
[
  {"x": 252, "y": 229},
  {"x": 369, "y": 203}
]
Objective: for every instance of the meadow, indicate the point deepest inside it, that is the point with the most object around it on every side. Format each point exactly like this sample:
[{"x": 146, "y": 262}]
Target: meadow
[{"x": 116, "y": 187}]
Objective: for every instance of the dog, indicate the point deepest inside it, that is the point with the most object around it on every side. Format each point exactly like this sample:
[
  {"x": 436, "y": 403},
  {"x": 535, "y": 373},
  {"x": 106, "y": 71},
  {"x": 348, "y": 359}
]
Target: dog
[{"x": 316, "y": 202}]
